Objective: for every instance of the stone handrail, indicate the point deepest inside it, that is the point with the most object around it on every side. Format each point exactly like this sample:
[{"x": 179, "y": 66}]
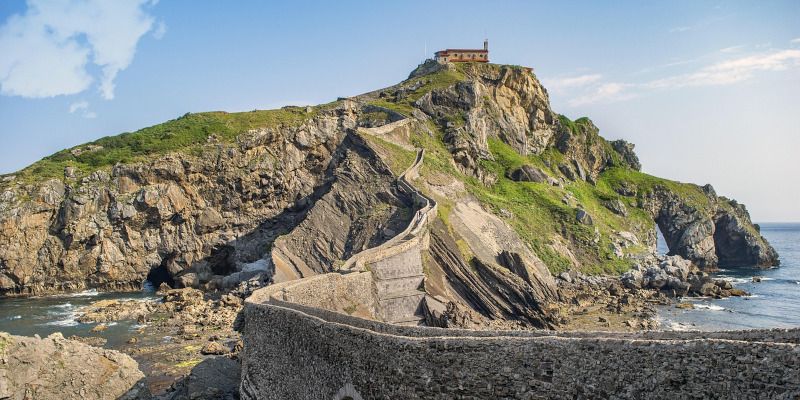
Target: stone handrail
[{"x": 412, "y": 232}]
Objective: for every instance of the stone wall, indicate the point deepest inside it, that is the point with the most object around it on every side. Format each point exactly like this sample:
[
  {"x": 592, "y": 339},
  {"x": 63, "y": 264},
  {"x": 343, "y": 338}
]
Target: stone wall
[
  {"x": 292, "y": 354},
  {"x": 348, "y": 293}
]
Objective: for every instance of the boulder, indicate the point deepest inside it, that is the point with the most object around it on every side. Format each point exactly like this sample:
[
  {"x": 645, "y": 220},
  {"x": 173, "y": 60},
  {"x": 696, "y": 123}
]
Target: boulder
[
  {"x": 616, "y": 206},
  {"x": 214, "y": 378},
  {"x": 187, "y": 280},
  {"x": 208, "y": 221},
  {"x": 527, "y": 173},
  {"x": 583, "y": 217},
  {"x": 214, "y": 348},
  {"x": 55, "y": 368},
  {"x": 632, "y": 279}
]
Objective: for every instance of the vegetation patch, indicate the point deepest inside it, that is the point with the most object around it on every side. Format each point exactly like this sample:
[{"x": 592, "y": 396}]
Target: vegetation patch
[
  {"x": 189, "y": 363},
  {"x": 186, "y": 134}
]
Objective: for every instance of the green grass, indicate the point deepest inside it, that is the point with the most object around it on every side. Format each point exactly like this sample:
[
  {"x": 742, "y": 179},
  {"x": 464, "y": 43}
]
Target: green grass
[
  {"x": 438, "y": 80},
  {"x": 186, "y": 134},
  {"x": 692, "y": 194},
  {"x": 398, "y": 158},
  {"x": 189, "y": 363}
]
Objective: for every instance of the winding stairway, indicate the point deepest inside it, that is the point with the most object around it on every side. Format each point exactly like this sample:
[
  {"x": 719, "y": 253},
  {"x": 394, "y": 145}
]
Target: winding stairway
[
  {"x": 390, "y": 276},
  {"x": 396, "y": 265}
]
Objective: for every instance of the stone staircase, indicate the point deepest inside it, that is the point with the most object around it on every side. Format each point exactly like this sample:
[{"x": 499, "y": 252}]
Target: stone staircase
[
  {"x": 396, "y": 265},
  {"x": 397, "y": 280}
]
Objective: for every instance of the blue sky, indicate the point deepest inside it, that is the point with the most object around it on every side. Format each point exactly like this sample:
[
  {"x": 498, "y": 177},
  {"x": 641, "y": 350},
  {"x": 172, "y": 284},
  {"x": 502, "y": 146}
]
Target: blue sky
[{"x": 708, "y": 91}]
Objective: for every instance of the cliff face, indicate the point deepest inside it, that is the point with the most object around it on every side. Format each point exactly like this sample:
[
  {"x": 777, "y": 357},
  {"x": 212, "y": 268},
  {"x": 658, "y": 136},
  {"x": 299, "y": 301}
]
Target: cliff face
[
  {"x": 188, "y": 220},
  {"x": 294, "y": 195}
]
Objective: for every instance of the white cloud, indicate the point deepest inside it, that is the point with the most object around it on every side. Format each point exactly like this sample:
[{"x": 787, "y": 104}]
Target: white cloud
[
  {"x": 77, "y": 106},
  {"x": 731, "y": 49},
  {"x": 721, "y": 73},
  {"x": 47, "y": 51},
  {"x": 613, "y": 91},
  {"x": 160, "y": 30},
  {"x": 680, "y": 29},
  {"x": 795, "y": 41},
  {"x": 82, "y": 107},
  {"x": 573, "y": 81},
  {"x": 731, "y": 71}
]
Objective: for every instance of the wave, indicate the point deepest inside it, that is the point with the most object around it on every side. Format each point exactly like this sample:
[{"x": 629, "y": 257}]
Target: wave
[
  {"x": 734, "y": 280},
  {"x": 677, "y": 326},
  {"x": 69, "y": 321},
  {"x": 85, "y": 293},
  {"x": 712, "y": 307},
  {"x": 13, "y": 317}
]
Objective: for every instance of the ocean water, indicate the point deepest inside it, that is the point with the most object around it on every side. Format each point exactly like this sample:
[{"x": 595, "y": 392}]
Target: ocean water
[
  {"x": 45, "y": 315},
  {"x": 774, "y": 302}
]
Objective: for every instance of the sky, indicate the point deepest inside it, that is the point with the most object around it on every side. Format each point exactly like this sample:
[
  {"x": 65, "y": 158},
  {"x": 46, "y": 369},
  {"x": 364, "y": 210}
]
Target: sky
[{"x": 709, "y": 91}]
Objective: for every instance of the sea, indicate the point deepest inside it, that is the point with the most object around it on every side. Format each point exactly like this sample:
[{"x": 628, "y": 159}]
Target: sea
[
  {"x": 774, "y": 302},
  {"x": 49, "y": 314}
]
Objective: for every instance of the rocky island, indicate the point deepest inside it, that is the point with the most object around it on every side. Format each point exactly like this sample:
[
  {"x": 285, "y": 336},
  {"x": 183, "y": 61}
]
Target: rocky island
[{"x": 447, "y": 237}]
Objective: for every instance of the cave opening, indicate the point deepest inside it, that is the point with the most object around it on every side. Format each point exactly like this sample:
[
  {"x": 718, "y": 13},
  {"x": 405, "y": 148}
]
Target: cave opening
[
  {"x": 221, "y": 261},
  {"x": 159, "y": 275}
]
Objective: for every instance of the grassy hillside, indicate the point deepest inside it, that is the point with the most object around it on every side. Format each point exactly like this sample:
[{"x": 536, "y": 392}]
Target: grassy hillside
[{"x": 186, "y": 134}]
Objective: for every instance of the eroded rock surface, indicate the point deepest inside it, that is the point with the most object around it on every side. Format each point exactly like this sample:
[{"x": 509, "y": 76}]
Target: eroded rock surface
[
  {"x": 55, "y": 368},
  {"x": 712, "y": 233}
]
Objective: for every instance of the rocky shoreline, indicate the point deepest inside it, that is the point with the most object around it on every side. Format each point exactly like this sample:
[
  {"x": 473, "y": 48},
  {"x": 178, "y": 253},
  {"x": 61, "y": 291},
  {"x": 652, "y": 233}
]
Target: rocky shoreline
[
  {"x": 629, "y": 302},
  {"x": 187, "y": 348},
  {"x": 185, "y": 345}
]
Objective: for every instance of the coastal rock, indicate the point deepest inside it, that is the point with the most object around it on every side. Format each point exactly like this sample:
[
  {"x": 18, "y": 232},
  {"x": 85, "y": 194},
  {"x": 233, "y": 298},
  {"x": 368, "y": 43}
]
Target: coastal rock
[
  {"x": 506, "y": 102},
  {"x": 676, "y": 277},
  {"x": 711, "y": 233},
  {"x": 83, "y": 372},
  {"x": 114, "y": 310},
  {"x": 215, "y": 378},
  {"x": 214, "y": 348}
]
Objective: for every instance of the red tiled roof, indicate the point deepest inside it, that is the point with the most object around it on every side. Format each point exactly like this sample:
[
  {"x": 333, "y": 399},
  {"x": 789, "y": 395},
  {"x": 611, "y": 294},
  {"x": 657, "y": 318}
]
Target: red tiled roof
[{"x": 463, "y": 51}]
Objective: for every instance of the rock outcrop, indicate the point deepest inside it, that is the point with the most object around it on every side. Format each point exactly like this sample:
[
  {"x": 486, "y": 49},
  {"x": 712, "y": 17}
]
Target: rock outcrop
[
  {"x": 677, "y": 277},
  {"x": 711, "y": 231},
  {"x": 361, "y": 209},
  {"x": 505, "y": 103},
  {"x": 528, "y": 173},
  {"x": 55, "y": 368}
]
